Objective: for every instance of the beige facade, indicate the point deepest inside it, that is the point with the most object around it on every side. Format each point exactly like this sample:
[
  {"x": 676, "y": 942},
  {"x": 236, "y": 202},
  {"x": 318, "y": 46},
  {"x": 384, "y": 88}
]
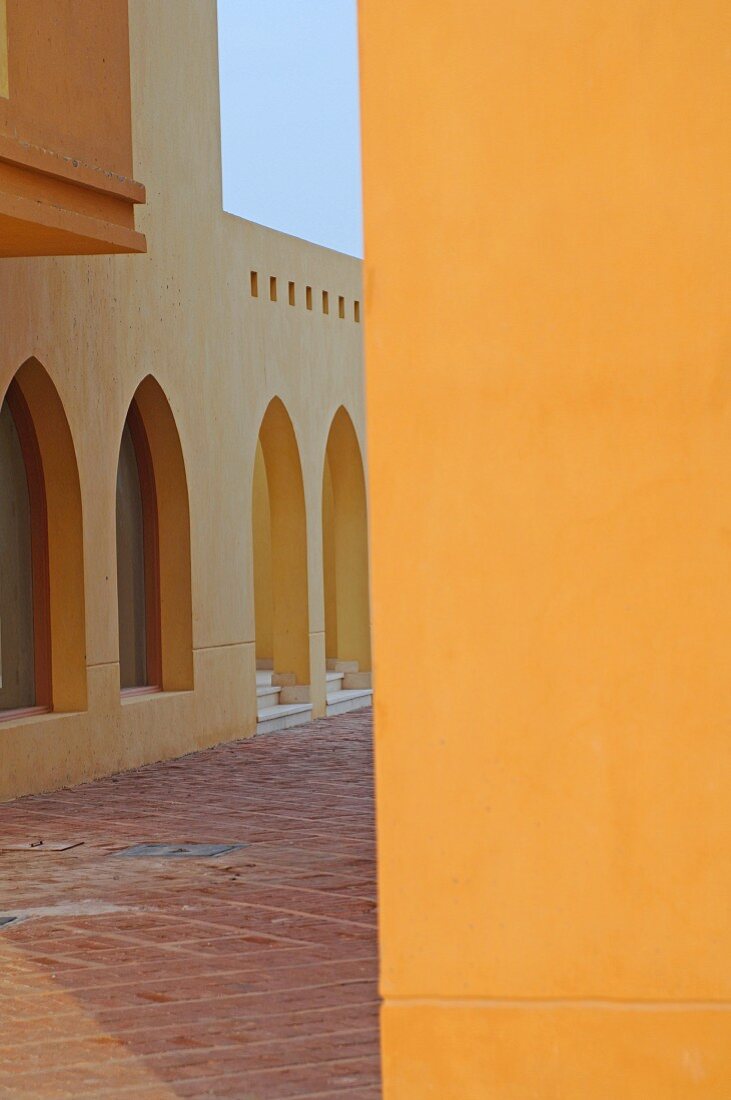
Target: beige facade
[{"x": 180, "y": 328}]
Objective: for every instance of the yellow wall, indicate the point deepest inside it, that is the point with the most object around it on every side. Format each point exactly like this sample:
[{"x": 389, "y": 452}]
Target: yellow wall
[
  {"x": 3, "y": 48},
  {"x": 328, "y": 563},
  {"x": 547, "y": 243},
  {"x": 184, "y": 315},
  {"x": 288, "y": 541},
  {"x": 345, "y": 538},
  {"x": 262, "y": 558},
  {"x": 66, "y": 185}
]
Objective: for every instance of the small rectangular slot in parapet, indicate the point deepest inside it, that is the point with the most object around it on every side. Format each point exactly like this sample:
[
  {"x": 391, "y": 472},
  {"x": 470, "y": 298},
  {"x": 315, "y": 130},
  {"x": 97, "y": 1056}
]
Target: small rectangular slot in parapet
[
  {"x": 308, "y": 297},
  {"x": 341, "y": 308},
  {"x": 273, "y": 288},
  {"x": 292, "y": 300},
  {"x": 255, "y": 284},
  {"x": 356, "y": 311},
  {"x": 325, "y": 302}
]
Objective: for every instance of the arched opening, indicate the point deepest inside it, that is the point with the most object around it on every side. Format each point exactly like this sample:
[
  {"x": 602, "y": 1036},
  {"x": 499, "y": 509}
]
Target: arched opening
[
  {"x": 24, "y": 595},
  {"x": 345, "y": 568},
  {"x": 263, "y": 584},
  {"x": 138, "y": 560},
  {"x": 280, "y": 573},
  {"x": 153, "y": 550},
  {"x": 42, "y": 650}
]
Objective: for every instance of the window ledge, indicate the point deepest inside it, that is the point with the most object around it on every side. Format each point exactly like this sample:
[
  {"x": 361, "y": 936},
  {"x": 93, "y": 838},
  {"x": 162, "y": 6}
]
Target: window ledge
[{"x": 142, "y": 695}]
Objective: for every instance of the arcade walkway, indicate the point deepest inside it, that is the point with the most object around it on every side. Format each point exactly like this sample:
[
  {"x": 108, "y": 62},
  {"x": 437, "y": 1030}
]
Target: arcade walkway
[{"x": 247, "y": 974}]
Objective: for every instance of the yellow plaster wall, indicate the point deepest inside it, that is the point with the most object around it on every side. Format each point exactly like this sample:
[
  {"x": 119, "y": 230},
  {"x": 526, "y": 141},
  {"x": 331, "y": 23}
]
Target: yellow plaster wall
[
  {"x": 67, "y": 80},
  {"x": 66, "y": 129},
  {"x": 262, "y": 554},
  {"x": 547, "y": 243},
  {"x": 348, "y": 588},
  {"x": 288, "y": 541},
  {"x": 182, "y": 313},
  {"x": 328, "y": 563},
  {"x": 3, "y": 48}
]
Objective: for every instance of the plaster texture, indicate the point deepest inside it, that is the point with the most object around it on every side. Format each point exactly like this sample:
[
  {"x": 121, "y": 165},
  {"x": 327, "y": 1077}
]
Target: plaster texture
[
  {"x": 547, "y": 237},
  {"x": 66, "y": 184}
]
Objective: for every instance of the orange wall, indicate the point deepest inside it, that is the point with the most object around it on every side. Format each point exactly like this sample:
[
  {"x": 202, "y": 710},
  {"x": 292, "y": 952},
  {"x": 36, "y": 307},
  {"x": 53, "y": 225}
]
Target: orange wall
[
  {"x": 68, "y": 78},
  {"x": 549, "y": 391},
  {"x": 66, "y": 182}
]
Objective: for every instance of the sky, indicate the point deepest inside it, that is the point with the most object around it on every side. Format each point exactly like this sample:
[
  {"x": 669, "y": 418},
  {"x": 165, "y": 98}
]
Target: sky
[{"x": 290, "y": 128}]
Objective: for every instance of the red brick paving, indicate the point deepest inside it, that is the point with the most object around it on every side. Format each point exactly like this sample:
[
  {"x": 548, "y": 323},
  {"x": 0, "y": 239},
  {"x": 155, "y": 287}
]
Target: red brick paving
[{"x": 250, "y": 975}]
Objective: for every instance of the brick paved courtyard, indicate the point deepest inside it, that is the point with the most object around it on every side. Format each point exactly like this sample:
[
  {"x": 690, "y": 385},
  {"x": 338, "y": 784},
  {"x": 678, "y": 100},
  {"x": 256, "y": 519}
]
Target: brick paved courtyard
[{"x": 251, "y": 974}]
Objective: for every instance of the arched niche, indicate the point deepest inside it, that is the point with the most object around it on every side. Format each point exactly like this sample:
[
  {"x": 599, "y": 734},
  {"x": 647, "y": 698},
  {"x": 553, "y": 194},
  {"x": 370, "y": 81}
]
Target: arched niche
[
  {"x": 345, "y": 546},
  {"x": 153, "y": 549},
  {"x": 280, "y": 549},
  {"x": 42, "y": 619}
]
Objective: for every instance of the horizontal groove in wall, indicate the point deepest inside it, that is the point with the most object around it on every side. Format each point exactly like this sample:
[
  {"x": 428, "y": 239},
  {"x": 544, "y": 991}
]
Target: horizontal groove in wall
[{"x": 602, "y": 1003}]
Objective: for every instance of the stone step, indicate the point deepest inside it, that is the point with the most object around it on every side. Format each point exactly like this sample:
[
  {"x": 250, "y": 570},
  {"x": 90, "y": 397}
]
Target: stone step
[
  {"x": 340, "y": 702},
  {"x": 283, "y": 716},
  {"x": 341, "y": 666},
  {"x": 357, "y": 680},
  {"x": 267, "y": 696},
  {"x": 263, "y": 677}
]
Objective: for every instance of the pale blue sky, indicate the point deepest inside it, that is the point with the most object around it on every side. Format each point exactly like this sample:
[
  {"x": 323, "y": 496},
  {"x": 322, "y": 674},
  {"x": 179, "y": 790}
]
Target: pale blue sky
[{"x": 289, "y": 117}]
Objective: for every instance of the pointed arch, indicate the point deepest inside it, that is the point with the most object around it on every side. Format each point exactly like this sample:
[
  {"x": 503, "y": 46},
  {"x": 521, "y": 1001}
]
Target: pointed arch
[
  {"x": 153, "y": 548},
  {"x": 345, "y": 546},
  {"x": 42, "y": 619},
  {"x": 280, "y": 552},
  {"x": 262, "y": 550}
]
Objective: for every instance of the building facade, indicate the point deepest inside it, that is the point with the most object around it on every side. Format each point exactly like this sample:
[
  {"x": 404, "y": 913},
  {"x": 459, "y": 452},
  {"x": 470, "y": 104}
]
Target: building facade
[{"x": 181, "y": 445}]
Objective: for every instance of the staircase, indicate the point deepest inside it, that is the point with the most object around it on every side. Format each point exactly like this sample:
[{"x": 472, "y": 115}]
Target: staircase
[
  {"x": 272, "y": 713},
  {"x": 347, "y": 687}
]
